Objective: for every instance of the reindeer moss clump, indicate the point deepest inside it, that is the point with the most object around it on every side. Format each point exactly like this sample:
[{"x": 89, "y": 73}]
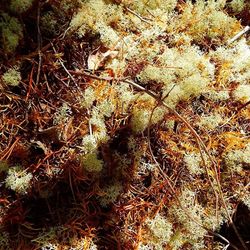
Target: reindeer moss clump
[
  {"x": 20, "y": 6},
  {"x": 11, "y": 32},
  {"x": 124, "y": 125},
  {"x": 12, "y": 77},
  {"x": 18, "y": 180}
]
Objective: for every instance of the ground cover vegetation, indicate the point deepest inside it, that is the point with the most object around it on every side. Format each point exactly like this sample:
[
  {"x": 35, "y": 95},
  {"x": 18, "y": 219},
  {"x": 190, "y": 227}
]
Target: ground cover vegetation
[{"x": 124, "y": 124}]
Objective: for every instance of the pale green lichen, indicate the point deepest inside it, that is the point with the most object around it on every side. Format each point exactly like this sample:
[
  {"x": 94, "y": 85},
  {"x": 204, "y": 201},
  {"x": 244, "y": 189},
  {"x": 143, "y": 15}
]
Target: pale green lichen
[
  {"x": 237, "y": 5},
  {"x": 111, "y": 193},
  {"x": 49, "y": 23},
  {"x": 140, "y": 120},
  {"x": 89, "y": 143},
  {"x": 164, "y": 43},
  {"x": 193, "y": 162},
  {"x": 205, "y": 19},
  {"x": 217, "y": 96},
  {"x": 189, "y": 207},
  {"x": 191, "y": 215},
  {"x": 98, "y": 126},
  {"x": 48, "y": 240},
  {"x": 160, "y": 229},
  {"x": 142, "y": 5},
  {"x": 143, "y": 111},
  {"x": 236, "y": 159},
  {"x": 233, "y": 63},
  {"x": 12, "y": 76},
  {"x": 20, "y": 6},
  {"x": 62, "y": 115},
  {"x": 211, "y": 121},
  {"x": 88, "y": 98},
  {"x": 246, "y": 200},
  {"x": 91, "y": 163},
  {"x": 106, "y": 108},
  {"x": 12, "y": 32}
]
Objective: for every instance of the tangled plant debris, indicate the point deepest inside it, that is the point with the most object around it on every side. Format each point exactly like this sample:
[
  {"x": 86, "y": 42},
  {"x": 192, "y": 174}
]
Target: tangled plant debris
[{"x": 124, "y": 124}]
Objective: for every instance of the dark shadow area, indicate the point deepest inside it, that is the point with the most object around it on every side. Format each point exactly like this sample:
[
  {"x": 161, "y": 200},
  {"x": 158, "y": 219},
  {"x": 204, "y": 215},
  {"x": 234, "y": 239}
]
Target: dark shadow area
[{"x": 241, "y": 219}]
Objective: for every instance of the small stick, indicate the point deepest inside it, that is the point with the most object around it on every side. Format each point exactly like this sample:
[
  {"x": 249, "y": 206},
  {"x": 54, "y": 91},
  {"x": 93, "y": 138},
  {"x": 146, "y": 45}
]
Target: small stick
[
  {"x": 66, "y": 70},
  {"x": 144, "y": 19},
  {"x": 238, "y": 35},
  {"x": 39, "y": 42}
]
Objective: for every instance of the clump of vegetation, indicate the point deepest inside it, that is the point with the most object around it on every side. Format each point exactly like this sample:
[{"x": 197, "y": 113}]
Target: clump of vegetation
[
  {"x": 3, "y": 166},
  {"x": 12, "y": 77},
  {"x": 130, "y": 128},
  {"x": 11, "y": 32},
  {"x": 158, "y": 232},
  {"x": 20, "y": 6},
  {"x": 18, "y": 180},
  {"x": 110, "y": 194},
  {"x": 91, "y": 163}
]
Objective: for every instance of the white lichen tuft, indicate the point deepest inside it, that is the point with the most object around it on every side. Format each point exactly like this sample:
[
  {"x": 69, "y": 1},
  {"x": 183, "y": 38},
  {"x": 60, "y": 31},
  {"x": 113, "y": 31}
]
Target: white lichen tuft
[
  {"x": 217, "y": 96},
  {"x": 211, "y": 121},
  {"x": 193, "y": 162},
  {"x": 246, "y": 200},
  {"x": 140, "y": 120},
  {"x": 160, "y": 229},
  {"x": 211, "y": 19},
  {"x": 242, "y": 93},
  {"x": 106, "y": 108},
  {"x": 88, "y": 98},
  {"x": 98, "y": 126},
  {"x": 18, "y": 180},
  {"x": 89, "y": 143},
  {"x": 235, "y": 159},
  {"x": 62, "y": 115},
  {"x": 50, "y": 246},
  {"x": 110, "y": 194},
  {"x": 190, "y": 207}
]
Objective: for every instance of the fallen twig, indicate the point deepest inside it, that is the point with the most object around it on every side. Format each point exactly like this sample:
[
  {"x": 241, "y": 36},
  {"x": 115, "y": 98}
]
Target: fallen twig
[
  {"x": 39, "y": 42},
  {"x": 66, "y": 70},
  {"x": 238, "y": 35},
  {"x": 144, "y": 19}
]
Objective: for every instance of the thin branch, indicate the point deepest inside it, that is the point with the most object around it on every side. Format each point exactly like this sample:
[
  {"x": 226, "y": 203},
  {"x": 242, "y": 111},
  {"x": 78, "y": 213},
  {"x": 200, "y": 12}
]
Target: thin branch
[
  {"x": 39, "y": 42},
  {"x": 66, "y": 70},
  {"x": 238, "y": 35},
  {"x": 144, "y": 19}
]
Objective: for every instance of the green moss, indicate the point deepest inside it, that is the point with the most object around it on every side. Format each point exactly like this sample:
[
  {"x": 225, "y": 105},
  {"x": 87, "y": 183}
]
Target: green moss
[
  {"x": 49, "y": 23},
  {"x": 20, "y": 6},
  {"x": 3, "y": 166},
  {"x": 11, "y": 32}
]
